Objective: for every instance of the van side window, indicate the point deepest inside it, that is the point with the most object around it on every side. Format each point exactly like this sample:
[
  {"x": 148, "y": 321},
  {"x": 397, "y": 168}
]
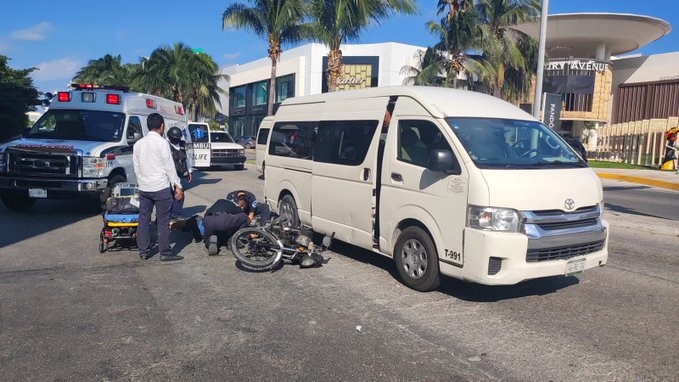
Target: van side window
[
  {"x": 199, "y": 133},
  {"x": 262, "y": 136},
  {"x": 292, "y": 139},
  {"x": 133, "y": 127},
  {"x": 344, "y": 142},
  {"x": 416, "y": 140}
]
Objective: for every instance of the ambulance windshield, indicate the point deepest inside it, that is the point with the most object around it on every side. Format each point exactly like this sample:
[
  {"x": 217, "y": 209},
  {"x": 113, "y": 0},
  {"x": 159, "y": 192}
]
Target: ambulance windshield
[{"x": 79, "y": 125}]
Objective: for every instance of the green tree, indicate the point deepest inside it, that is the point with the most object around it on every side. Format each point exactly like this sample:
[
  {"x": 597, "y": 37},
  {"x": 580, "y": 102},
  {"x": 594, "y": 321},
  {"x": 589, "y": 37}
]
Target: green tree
[
  {"x": 339, "y": 21},
  {"x": 429, "y": 70},
  {"x": 17, "y": 96},
  {"x": 279, "y": 21},
  {"x": 108, "y": 70},
  {"x": 502, "y": 46},
  {"x": 180, "y": 74}
]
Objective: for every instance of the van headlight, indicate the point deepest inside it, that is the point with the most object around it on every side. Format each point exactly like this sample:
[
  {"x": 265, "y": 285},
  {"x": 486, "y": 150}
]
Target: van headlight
[
  {"x": 493, "y": 219},
  {"x": 93, "y": 167}
]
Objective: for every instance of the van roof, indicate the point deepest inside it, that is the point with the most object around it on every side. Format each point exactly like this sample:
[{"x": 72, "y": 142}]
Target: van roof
[{"x": 439, "y": 102}]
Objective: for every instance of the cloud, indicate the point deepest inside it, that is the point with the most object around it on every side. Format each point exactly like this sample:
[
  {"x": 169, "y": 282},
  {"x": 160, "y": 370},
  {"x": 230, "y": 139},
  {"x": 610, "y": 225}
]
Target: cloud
[
  {"x": 64, "y": 68},
  {"x": 37, "y": 32},
  {"x": 231, "y": 56}
]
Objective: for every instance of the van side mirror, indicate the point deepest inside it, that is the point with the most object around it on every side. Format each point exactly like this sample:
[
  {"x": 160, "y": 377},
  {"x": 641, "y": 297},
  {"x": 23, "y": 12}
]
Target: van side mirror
[
  {"x": 133, "y": 138},
  {"x": 443, "y": 160}
]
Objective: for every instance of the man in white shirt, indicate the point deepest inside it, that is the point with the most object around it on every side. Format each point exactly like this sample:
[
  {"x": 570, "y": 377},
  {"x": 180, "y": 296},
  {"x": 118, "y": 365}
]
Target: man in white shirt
[{"x": 156, "y": 178}]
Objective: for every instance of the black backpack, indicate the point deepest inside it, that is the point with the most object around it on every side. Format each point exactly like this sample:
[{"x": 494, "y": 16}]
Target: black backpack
[{"x": 179, "y": 157}]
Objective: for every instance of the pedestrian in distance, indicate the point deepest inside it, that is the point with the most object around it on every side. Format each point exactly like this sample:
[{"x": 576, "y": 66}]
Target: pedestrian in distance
[
  {"x": 183, "y": 164},
  {"x": 156, "y": 179}
]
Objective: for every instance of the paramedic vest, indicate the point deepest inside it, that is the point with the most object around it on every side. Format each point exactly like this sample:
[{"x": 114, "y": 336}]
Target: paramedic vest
[{"x": 179, "y": 158}]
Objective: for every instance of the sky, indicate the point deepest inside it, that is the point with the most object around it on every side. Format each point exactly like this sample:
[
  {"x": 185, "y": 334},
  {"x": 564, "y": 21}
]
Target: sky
[{"x": 60, "y": 37}]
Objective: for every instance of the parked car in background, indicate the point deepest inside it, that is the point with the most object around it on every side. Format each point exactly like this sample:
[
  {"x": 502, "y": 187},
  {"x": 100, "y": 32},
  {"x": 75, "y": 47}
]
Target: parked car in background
[{"x": 246, "y": 141}]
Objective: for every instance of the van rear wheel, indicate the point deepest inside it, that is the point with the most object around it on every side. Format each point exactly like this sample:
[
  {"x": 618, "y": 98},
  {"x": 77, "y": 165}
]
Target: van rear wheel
[
  {"x": 287, "y": 210},
  {"x": 416, "y": 260}
]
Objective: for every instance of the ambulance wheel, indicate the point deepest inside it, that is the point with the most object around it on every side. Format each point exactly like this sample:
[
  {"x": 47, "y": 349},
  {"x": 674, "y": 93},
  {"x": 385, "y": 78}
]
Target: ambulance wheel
[
  {"x": 416, "y": 260},
  {"x": 17, "y": 202}
]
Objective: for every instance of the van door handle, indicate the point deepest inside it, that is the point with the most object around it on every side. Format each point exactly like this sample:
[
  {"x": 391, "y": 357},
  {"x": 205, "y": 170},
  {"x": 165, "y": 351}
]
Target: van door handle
[
  {"x": 366, "y": 174},
  {"x": 396, "y": 177}
]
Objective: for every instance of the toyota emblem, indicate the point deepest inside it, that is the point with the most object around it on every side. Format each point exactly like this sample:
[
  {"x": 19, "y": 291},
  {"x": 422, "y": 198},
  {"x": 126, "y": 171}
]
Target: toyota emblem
[{"x": 569, "y": 204}]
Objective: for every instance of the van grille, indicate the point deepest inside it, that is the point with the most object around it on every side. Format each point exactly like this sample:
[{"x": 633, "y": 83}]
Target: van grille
[
  {"x": 39, "y": 164},
  {"x": 559, "y": 235},
  {"x": 562, "y": 253}
]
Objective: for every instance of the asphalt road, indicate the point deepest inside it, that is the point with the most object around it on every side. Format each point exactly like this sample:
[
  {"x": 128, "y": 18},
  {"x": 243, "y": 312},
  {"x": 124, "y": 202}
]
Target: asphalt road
[{"x": 70, "y": 313}]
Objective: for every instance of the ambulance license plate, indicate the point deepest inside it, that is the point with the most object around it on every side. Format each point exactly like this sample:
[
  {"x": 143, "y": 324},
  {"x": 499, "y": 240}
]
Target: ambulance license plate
[
  {"x": 574, "y": 267},
  {"x": 37, "y": 193}
]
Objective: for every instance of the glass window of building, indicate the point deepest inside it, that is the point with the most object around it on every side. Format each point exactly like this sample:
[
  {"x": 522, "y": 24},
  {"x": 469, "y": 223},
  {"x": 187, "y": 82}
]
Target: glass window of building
[
  {"x": 285, "y": 87},
  {"x": 259, "y": 93},
  {"x": 239, "y": 96}
]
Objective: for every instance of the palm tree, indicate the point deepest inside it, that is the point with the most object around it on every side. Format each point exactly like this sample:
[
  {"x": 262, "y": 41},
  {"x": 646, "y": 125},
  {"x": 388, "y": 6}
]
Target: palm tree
[
  {"x": 107, "y": 70},
  {"x": 279, "y": 21},
  {"x": 428, "y": 70},
  {"x": 339, "y": 21},
  {"x": 180, "y": 74},
  {"x": 500, "y": 43}
]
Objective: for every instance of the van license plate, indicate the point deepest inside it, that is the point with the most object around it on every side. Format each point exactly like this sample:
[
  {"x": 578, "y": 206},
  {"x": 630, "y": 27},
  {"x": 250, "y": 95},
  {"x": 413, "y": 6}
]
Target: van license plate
[
  {"x": 575, "y": 266},
  {"x": 37, "y": 192}
]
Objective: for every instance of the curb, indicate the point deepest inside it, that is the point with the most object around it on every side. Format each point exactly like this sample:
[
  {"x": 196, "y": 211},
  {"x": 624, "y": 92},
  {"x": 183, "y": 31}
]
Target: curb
[{"x": 636, "y": 179}]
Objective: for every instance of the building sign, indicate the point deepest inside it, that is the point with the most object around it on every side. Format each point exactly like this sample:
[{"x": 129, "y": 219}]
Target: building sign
[
  {"x": 355, "y": 77},
  {"x": 358, "y": 72},
  {"x": 551, "y": 114},
  {"x": 577, "y": 65},
  {"x": 573, "y": 76}
]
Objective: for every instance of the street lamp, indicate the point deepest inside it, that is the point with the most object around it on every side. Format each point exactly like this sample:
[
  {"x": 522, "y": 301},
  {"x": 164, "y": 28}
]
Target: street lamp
[{"x": 541, "y": 60}]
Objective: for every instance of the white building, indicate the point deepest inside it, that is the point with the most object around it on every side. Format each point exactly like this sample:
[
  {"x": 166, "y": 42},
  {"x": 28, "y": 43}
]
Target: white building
[{"x": 301, "y": 71}]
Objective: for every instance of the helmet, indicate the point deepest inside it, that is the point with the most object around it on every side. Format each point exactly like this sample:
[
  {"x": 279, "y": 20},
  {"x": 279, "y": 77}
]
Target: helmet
[{"x": 174, "y": 133}]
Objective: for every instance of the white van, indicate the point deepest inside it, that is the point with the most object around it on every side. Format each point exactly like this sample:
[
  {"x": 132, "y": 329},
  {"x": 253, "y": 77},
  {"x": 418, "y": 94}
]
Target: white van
[
  {"x": 262, "y": 139},
  {"x": 213, "y": 148},
  {"x": 459, "y": 183},
  {"x": 82, "y": 146}
]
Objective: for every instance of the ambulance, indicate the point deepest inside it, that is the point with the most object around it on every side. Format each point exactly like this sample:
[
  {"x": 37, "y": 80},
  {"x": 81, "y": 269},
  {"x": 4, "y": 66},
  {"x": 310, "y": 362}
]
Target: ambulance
[
  {"x": 210, "y": 148},
  {"x": 82, "y": 146}
]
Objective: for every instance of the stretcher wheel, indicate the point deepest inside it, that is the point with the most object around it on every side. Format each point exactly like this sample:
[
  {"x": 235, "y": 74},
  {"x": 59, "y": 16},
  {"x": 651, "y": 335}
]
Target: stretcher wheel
[{"x": 103, "y": 243}]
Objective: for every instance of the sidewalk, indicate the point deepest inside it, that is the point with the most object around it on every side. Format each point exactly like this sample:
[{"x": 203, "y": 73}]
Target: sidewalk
[{"x": 650, "y": 177}]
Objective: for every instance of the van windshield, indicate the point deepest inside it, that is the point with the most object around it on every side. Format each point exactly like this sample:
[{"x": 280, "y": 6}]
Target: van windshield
[
  {"x": 80, "y": 125},
  {"x": 504, "y": 143}
]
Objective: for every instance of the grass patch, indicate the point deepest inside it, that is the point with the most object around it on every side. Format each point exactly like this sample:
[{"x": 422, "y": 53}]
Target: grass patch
[{"x": 605, "y": 164}]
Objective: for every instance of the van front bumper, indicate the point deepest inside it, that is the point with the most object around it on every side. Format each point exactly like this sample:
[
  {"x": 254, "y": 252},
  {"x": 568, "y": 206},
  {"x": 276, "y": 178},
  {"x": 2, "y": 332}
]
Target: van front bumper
[
  {"x": 504, "y": 258},
  {"x": 227, "y": 160}
]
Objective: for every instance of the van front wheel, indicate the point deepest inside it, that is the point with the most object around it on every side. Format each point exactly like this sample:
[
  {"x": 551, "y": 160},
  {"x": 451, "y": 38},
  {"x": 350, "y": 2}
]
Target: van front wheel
[
  {"x": 287, "y": 210},
  {"x": 416, "y": 260}
]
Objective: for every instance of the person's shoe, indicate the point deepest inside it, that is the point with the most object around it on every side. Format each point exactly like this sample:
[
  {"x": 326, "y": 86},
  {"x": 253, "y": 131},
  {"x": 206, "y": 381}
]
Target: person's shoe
[
  {"x": 177, "y": 223},
  {"x": 170, "y": 257},
  {"x": 213, "y": 247},
  {"x": 144, "y": 257}
]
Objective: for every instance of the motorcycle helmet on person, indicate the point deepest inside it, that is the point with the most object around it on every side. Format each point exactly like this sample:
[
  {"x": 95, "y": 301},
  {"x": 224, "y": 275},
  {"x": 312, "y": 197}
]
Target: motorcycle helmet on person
[{"x": 174, "y": 134}]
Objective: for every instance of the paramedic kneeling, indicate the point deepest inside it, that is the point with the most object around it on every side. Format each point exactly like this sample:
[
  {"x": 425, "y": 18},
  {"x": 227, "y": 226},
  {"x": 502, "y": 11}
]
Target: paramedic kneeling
[{"x": 156, "y": 177}]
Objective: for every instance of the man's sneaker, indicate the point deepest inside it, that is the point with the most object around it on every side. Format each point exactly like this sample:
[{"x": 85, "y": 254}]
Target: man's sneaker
[
  {"x": 213, "y": 247},
  {"x": 170, "y": 257}
]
